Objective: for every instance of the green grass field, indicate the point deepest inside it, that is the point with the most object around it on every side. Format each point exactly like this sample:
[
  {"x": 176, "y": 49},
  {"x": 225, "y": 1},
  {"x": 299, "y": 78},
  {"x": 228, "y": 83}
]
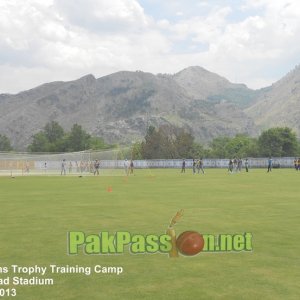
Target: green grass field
[{"x": 37, "y": 212}]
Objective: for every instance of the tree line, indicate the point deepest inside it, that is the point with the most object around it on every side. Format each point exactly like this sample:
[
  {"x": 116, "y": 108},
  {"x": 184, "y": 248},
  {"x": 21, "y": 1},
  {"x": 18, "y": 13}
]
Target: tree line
[
  {"x": 53, "y": 138},
  {"x": 167, "y": 142},
  {"x": 171, "y": 142}
]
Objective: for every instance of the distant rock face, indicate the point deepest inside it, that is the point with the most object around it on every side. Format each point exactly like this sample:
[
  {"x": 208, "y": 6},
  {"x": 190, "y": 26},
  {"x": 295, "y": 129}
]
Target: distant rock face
[
  {"x": 120, "y": 107},
  {"x": 279, "y": 105},
  {"x": 200, "y": 83}
]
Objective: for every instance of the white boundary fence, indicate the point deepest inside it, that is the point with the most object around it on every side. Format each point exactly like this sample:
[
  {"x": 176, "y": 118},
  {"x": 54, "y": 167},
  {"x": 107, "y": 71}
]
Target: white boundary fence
[
  {"x": 79, "y": 162},
  {"x": 279, "y": 162}
]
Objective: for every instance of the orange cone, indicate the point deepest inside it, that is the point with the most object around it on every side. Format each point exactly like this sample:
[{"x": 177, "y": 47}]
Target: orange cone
[{"x": 109, "y": 189}]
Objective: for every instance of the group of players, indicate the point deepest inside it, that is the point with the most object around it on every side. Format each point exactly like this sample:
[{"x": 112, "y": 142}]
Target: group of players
[
  {"x": 197, "y": 166},
  {"x": 93, "y": 167},
  {"x": 234, "y": 165},
  {"x": 297, "y": 163},
  {"x": 128, "y": 167}
]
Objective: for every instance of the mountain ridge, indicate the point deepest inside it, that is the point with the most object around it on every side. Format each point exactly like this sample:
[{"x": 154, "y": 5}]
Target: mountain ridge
[
  {"x": 120, "y": 106},
  {"x": 279, "y": 105}
]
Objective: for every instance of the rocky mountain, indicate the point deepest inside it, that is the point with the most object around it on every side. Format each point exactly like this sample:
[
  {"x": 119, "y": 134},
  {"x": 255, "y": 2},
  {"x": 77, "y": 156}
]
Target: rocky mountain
[
  {"x": 279, "y": 105},
  {"x": 202, "y": 84},
  {"x": 120, "y": 107}
]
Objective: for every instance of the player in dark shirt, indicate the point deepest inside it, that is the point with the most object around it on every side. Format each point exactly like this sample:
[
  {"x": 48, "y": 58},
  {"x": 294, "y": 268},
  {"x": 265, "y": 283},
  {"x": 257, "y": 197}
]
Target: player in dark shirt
[
  {"x": 194, "y": 166},
  {"x": 247, "y": 165},
  {"x": 96, "y": 167},
  {"x": 131, "y": 166},
  {"x": 63, "y": 167},
  {"x": 296, "y": 164},
  {"x": 183, "y": 166},
  {"x": 230, "y": 166},
  {"x": 201, "y": 166},
  {"x": 270, "y": 162}
]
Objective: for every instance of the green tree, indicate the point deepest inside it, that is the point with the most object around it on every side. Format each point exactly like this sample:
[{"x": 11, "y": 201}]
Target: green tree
[
  {"x": 98, "y": 143},
  {"x": 53, "y": 131},
  {"x": 78, "y": 139},
  {"x": 152, "y": 144},
  {"x": 239, "y": 146},
  {"x": 184, "y": 143},
  {"x": 53, "y": 139},
  {"x": 136, "y": 151},
  {"x": 167, "y": 142},
  {"x": 219, "y": 147},
  {"x": 39, "y": 143},
  {"x": 5, "y": 144},
  {"x": 167, "y": 147},
  {"x": 50, "y": 139},
  {"x": 199, "y": 151},
  {"x": 242, "y": 146},
  {"x": 278, "y": 141}
]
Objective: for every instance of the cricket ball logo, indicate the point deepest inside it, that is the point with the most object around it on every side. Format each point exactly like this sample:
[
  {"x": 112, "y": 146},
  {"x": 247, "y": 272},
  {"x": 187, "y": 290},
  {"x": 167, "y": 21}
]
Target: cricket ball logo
[{"x": 188, "y": 243}]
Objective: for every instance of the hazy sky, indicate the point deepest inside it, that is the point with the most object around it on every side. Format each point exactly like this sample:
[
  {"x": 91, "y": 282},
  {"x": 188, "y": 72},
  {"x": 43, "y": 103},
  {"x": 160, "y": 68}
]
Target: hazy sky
[{"x": 250, "y": 41}]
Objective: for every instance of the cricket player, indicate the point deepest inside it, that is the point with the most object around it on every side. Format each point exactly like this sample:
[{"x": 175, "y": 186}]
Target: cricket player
[
  {"x": 63, "y": 167},
  {"x": 126, "y": 167},
  {"x": 270, "y": 163},
  {"x": 96, "y": 167}
]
